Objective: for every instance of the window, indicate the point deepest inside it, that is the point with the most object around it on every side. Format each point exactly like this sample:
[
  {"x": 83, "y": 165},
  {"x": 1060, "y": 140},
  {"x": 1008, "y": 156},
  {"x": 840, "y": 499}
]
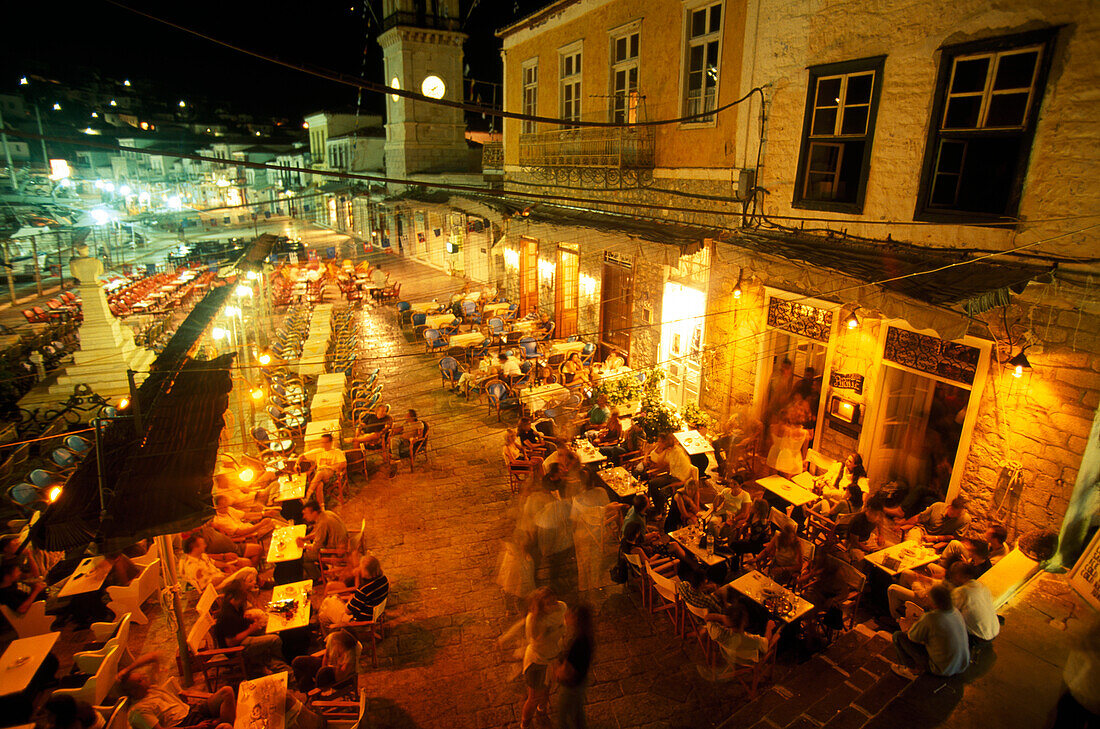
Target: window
[
  {"x": 987, "y": 103},
  {"x": 841, "y": 104},
  {"x": 570, "y": 68},
  {"x": 704, "y": 38},
  {"x": 624, "y": 76},
  {"x": 530, "y": 92}
]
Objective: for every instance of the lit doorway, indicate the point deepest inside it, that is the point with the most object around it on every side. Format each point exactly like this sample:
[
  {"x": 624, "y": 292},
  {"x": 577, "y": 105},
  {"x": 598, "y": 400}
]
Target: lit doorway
[
  {"x": 918, "y": 428},
  {"x": 528, "y": 276},
  {"x": 683, "y": 315},
  {"x": 792, "y": 370}
]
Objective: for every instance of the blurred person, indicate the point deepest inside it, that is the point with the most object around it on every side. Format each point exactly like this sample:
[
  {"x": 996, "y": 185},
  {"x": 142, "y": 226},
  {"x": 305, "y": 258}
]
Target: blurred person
[
  {"x": 572, "y": 670},
  {"x": 327, "y": 532},
  {"x": 729, "y": 629},
  {"x": 65, "y": 712},
  {"x": 155, "y": 707},
  {"x": 683, "y": 509},
  {"x": 939, "y": 524},
  {"x": 936, "y": 643},
  {"x": 516, "y": 575},
  {"x": 17, "y": 594},
  {"x": 401, "y": 440},
  {"x": 753, "y": 536},
  {"x": 544, "y": 629},
  {"x": 782, "y": 557},
  {"x": 329, "y": 464},
  {"x": 197, "y": 567},
  {"x": 238, "y": 626},
  {"x": 236, "y": 523},
  {"x": 328, "y": 668}
]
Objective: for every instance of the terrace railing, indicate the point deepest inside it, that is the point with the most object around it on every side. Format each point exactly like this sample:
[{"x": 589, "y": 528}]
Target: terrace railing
[{"x": 588, "y": 147}]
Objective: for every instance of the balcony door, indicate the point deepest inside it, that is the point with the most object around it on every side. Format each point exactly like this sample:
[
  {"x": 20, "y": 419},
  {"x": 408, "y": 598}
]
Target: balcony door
[
  {"x": 684, "y": 311},
  {"x": 566, "y": 292},
  {"x": 528, "y": 276},
  {"x": 616, "y": 308}
]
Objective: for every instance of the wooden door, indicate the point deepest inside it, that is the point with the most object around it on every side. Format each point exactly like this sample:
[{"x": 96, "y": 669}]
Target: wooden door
[
  {"x": 528, "y": 276},
  {"x": 616, "y": 308},
  {"x": 566, "y": 292}
]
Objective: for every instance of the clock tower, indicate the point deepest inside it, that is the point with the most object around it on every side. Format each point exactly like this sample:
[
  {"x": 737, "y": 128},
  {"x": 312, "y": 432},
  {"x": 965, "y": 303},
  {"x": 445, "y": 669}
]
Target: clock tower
[{"x": 422, "y": 52}]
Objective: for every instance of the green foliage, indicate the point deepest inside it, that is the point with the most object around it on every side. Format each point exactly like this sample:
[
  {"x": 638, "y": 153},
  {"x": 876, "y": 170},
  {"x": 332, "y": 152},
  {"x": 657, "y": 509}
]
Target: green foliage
[{"x": 694, "y": 416}]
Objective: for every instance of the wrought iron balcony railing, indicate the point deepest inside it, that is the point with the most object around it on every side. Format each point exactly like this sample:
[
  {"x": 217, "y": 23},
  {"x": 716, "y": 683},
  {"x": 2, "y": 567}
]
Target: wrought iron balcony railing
[
  {"x": 492, "y": 156},
  {"x": 591, "y": 147}
]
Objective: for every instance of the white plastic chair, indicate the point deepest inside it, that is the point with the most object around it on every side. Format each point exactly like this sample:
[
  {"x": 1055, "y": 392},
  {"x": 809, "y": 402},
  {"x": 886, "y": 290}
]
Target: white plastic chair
[
  {"x": 34, "y": 622},
  {"x": 96, "y": 688},
  {"x": 129, "y": 598},
  {"x": 88, "y": 661}
]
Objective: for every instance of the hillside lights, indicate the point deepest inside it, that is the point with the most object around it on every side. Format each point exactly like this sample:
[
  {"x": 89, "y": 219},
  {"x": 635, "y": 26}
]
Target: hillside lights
[{"x": 852, "y": 322}]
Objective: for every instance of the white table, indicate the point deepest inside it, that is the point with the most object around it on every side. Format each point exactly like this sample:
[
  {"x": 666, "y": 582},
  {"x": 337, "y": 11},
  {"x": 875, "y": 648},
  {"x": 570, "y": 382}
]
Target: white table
[
  {"x": 261, "y": 703},
  {"x": 688, "y": 538},
  {"x": 424, "y": 307},
  {"x": 496, "y": 309},
  {"x": 526, "y": 326},
  {"x": 619, "y": 480},
  {"x": 88, "y": 577},
  {"x": 22, "y": 660},
  {"x": 316, "y": 428},
  {"x": 566, "y": 347},
  {"x": 468, "y": 339},
  {"x": 327, "y": 405},
  {"x": 537, "y": 398},
  {"x": 909, "y": 556},
  {"x": 693, "y": 442},
  {"x": 299, "y": 591},
  {"x": 332, "y": 382},
  {"x": 435, "y": 321},
  {"x": 287, "y": 537},
  {"x": 759, "y": 588},
  {"x": 787, "y": 489},
  {"x": 291, "y": 486},
  {"x": 586, "y": 452}
]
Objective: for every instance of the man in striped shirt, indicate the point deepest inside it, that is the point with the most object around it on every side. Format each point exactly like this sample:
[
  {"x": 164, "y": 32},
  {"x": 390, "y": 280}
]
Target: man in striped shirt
[{"x": 371, "y": 593}]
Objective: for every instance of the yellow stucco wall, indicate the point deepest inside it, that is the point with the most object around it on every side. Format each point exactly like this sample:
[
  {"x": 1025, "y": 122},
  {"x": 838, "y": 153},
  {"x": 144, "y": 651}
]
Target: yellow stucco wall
[{"x": 660, "y": 70}]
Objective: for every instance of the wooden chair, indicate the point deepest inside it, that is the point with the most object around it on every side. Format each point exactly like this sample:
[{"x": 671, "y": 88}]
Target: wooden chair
[
  {"x": 518, "y": 473},
  {"x": 819, "y": 529},
  {"x": 753, "y": 675},
  {"x": 856, "y": 581},
  {"x": 34, "y": 622},
  {"x": 664, "y": 598},
  {"x": 372, "y": 629},
  {"x": 694, "y": 621},
  {"x": 218, "y": 666},
  {"x": 99, "y": 684},
  {"x": 344, "y": 714},
  {"x": 116, "y": 716},
  {"x": 129, "y": 598}
]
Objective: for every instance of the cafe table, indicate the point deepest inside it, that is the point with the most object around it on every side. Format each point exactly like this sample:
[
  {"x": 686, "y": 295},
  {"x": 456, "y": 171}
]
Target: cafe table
[
  {"x": 537, "y": 398},
  {"x": 473, "y": 296},
  {"x": 902, "y": 556},
  {"x": 22, "y": 660},
  {"x": 300, "y": 592},
  {"x": 291, "y": 486},
  {"x": 261, "y": 703},
  {"x": 780, "y": 602},
  {"x": 602, "y": 375},
  {"x": 327, "y": 405},
  {"x": 424, "y": 307},
  {"x": 332, "y": 382},
  {"x": 621, "y": 482},
  {"x": 526, "y": 326},
  {"x": 787, "y": 489},
  {"x": 88, "y": 577},
  {"x": 586, "y": 452},
  {"x": 468, "y": 339},
  {"x": 435, "y": 321},
  {"x": 284, "y": 545},
  {"x": 316, "y": 428},
  {"x": 693, "y": 442},
  {"x": 566, "y": 348},
  {"x": 496, "y": 309},
  {"x": 688, "y": 538}
]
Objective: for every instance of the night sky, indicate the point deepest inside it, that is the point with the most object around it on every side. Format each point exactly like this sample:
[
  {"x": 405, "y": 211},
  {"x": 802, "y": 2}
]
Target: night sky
[{"x": 95, "y": 35}]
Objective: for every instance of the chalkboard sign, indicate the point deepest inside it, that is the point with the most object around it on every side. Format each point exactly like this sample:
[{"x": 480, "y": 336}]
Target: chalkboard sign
[
  {"x": 1085, "y": 577},
  {"x": 842, "y": 381}
]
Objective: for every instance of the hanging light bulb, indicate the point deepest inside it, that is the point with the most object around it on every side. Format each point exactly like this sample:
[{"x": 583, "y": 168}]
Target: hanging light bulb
[
  {"x": 246, "y": 475},
  {"x": 852, "y": 322},
  {"x": 737, "y": 287},
  {"x": 264, "y": 359},
  {"x": 257, "y": 393},
  {"x": 124, "y": 403},
  {"x": 1018, "y": 364},
  {"x": 53, "y": 494}
]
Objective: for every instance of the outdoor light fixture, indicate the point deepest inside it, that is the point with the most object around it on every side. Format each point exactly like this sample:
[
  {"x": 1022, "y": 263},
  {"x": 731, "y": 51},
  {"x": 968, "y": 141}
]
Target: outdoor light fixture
[
  {"x": 218, "y": 333},
  {"x": 124, "y": 403},
  {"x": 737, "y": 287},
  {"x": 305, "y": 125},
  {"x": 108, "y": 187},
  {"x": 183, "y": 104},
  {"x": 126, "y": 82},
  {"x": 95, "y": 114},
  {"x": 57, "y": 107},
  {"x": 264, "y": 359},
  {"x": 244, "y": 290},
  {"x": 852, "y": 322},
  {"x": 124, "y": 190},
  {"x": 1019, "y": 363},
  {"x": 246, "y": 475},
  {"x": 232, "y": 311},
  {"x": 114, "y": 103},
  {"x": 23, "y": 81},
  {"x": 53, "y": 494},
  {"x": 257, "y": 393}
]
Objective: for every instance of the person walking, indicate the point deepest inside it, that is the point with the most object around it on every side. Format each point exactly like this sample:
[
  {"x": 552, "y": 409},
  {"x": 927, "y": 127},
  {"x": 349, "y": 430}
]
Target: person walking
[
  {"x": 544, "y": 629},
  {"x": 572, "y": 673}
]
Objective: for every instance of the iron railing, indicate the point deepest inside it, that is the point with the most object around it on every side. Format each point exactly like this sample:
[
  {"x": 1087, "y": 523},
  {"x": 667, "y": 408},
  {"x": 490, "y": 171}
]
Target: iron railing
[
  {"x": 492, "y": 156},
  {"x": 592, "y": 147},
  {"x": 420, "y": 20}
]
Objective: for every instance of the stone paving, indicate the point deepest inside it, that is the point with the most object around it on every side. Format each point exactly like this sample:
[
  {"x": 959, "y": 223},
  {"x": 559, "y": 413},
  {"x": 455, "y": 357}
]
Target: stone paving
[{"x": 437, "y": 532}]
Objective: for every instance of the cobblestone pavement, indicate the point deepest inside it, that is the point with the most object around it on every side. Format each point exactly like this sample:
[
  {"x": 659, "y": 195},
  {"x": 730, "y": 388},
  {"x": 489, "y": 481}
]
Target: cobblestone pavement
[{"x": 437, "y": 532}]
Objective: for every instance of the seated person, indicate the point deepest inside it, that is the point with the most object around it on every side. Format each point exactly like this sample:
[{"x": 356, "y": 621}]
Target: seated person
[
  {"x": 938, "y": 524},
  {"x": 732, "y": 500},
  {"x": 614, "y": 361},
  {"x": 402, "y": 438},
  {"x": 545, "y": 326},
  {"x": 17, "y": 594},
  {"x": 199, "y": 569},
  {"x": 752, "y": 536},
  {"x": 12, "y": 549},
  {"x": 834, "y": 487},
  {"x": 994, "y": 537},
  {"x": 667, "y": 467},
  {"x": 692, "y": 591},
  {"x": 515, "y": 456},
  {"x": 237, "y": 626},
  {"x": 850, "y": 504},
  {"x": 329, "y": 463},
  {"x": 865, "y": 532},
  {"x": 974, "y": 552},
  {"x": 824, "y": 585},
  {"x": 154, "y": 707},
  {"x": 371, "y": 593},
  {"x": 599, "y": 414},
  {"x": 936, "y": 643},
  {"x": 610, "y": 436},
  {"x": 353, "y": 575},
  {"x": 531, "y": 440},
  {"x": 573, "y": 371},
  {"x": 782, "y": 558},
  {"x": 326, "y": 532},
  {"x": 509, "y": 366},
  {"x": 974, "y": 602},
  {"x": 372, "y": 431},
  {"x": 236, "y": 523},
  {"x": 122, "y": 571},
  {"x": 636, "y": 533},
  {"x": 728, "y": 629},
  {"x": 486, "y": 370},
  {"x": 564, "y": 455},
  {"x": 683, "y": 509},
  {"x": 330, "y": 668}
]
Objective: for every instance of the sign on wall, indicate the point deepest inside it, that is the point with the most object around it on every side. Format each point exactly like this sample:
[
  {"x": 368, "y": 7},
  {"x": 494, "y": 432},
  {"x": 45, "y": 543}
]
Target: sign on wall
[
  {"x": 843, "y": 381},
  {"x": 1085, "y": 577},
  {"x": 801, "y": 319}
]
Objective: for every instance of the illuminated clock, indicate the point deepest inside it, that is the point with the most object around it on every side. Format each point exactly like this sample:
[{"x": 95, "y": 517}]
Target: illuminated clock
[
  {"x": 433, "y": 86},
  {"x": 395, "y": 83}
]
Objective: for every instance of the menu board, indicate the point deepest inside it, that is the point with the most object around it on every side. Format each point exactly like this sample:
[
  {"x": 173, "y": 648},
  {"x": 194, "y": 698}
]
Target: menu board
[{"x": 1085, "y": 576}]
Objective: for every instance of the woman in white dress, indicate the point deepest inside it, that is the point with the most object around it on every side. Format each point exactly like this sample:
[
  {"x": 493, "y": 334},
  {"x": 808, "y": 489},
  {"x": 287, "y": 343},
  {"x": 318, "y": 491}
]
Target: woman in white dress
[{"x": 787, "y": 454}]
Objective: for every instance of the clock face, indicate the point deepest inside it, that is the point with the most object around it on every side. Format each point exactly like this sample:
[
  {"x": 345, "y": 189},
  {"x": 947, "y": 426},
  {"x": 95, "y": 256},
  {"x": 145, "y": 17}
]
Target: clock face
[
  {"x": 395, "y": 83},
  {"x": 433, "y": 86}
]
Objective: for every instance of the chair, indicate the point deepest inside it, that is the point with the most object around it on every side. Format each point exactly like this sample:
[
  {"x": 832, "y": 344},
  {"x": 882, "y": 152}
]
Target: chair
[
  {"x": 33, "y": 622},
  {"x": 78, "y": 445},
  {"x": 88, "y": 661},
  {"x": 496, "y": 327},
  {"x": 433, "y": 339},
  {"x": 694, "y": 618},
  {"x": 218, "y": 666},
  {"x": 372, "y": 628},
  {"x": 286, "y": 420},
  {"x": 752, "y": 675},
  {"x": 450, "y": 371},
  {"x": 588, "y": 352},
  {"x": 419, "y": 446},
  {"x": 97, "y": 686},
  {"x": 856, "y": 581},
  {"x": 664, "y": 598},
  {"x": 282, "y": 447},
  {"x": 129, "y": 598},
  {"x": 65, "y": 459},
  {"x": 820, "y": 529},
  {"x": 499, "y": 396},
  {"x": 116, "y": 716},
  {"x": 343, "y": 714},
  {"x": 530, "y": 346},
  {"x": 518, "y": 472}
]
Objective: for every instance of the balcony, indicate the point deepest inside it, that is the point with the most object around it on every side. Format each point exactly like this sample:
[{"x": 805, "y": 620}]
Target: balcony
[
  {"x": 420, "y": 20},
  {"x": 492, "y": 157},
  {"x": 611, "y": 148}
]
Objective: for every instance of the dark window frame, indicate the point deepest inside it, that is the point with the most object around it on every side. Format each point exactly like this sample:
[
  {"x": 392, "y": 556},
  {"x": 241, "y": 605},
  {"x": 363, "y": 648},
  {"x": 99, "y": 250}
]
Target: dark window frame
[
  {"x": 925, "y": 212},
  {"x": 874, "y": 64}
]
